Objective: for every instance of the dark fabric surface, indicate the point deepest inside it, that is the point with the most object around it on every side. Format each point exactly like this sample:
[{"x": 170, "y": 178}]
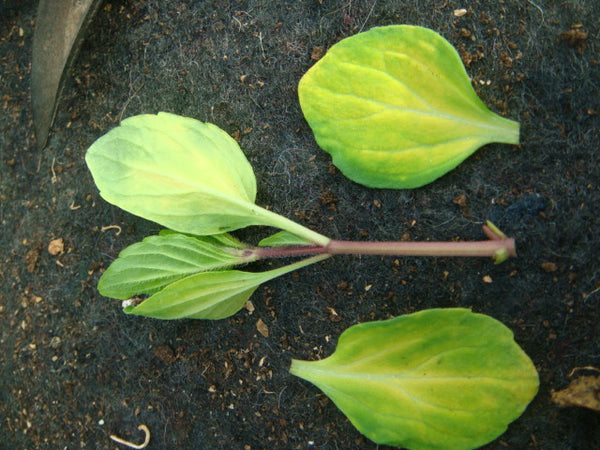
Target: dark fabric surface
[{"x": 75, "y": 369}]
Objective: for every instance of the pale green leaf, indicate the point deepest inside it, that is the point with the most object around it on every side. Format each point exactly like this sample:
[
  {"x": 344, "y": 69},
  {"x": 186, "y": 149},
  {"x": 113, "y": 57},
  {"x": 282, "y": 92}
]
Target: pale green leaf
[
  {"x": 206, "y": 295},
  {"x": 284, "y": 239},
  {"x": 395, "y": 107},
  {"x": 221, "y": 240},
  {"x": 148, "y": 266},
  {"x": 186, "y": 175},
  {"x": 181, "y": 173},
  {"x": 436, "y": 379},
  {"x": 210, "y": 295}
]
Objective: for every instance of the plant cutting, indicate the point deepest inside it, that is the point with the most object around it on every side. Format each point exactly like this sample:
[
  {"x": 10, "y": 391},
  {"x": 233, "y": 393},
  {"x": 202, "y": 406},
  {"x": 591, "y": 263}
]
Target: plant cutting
[
  {"x": 395, "y": 108},
  {"x": 193, "y": 178},
  {"x": 427, "y": 380},
  {"x": 436, "y": 379}
]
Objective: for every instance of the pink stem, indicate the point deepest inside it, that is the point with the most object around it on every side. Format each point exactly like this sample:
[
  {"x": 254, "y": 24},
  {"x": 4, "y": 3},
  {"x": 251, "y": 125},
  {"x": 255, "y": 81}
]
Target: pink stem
[{"x": 488, "y": 248}]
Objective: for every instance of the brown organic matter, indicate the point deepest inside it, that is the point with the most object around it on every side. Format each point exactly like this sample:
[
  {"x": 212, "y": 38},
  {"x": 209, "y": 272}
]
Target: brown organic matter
[{"x": 582, "y": 392}]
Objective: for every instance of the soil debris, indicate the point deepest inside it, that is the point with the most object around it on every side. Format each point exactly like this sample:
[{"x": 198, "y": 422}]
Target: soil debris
[
  {"x": 262, "y": 328},
  {"x": 56, "y": 247},
  {"x": 582, "y": 392},
  {"x": 32, "y": 258},
  {"x": 549, "y": 267},
  {"x": 576, "y": 37}
]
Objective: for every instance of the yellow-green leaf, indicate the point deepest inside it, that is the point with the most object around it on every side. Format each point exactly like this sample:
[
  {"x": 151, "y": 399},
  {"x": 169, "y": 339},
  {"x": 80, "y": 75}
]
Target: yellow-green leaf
[
  {"x": 210, "y": 295},
  {"x": 395, "y": 108},
  {"x": 437, "y": 379},
  {"x": 181, "y": 173},
  {"x": 184, "y": 174},
  {"x": 148, "y": 266}
]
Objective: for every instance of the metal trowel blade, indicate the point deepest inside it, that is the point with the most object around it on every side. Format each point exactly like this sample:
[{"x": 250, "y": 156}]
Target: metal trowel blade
[{"x": 59, "y": 28}]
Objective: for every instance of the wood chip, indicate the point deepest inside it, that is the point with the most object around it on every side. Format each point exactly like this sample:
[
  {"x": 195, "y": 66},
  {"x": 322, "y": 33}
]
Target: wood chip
[
  {"x": 583, "y": 392},
  {"x": 262, "y": 328}
]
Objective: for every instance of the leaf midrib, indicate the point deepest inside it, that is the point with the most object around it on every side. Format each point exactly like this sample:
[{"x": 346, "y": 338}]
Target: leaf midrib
[{"x": 434, "y": 113}]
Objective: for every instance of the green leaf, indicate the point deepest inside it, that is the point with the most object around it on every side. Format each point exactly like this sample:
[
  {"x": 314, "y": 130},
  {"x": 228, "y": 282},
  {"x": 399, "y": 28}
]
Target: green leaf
[
  {"x": 221, "y": 240},
  {"x": 395, "y": 108},
  {"x": 148, "y": 266},
  {"x": 283, "y": 239},
  {"x": 186, "y": 175},
  {"x": 210, "y": 295},
  {"x": 436, "y": 379}
]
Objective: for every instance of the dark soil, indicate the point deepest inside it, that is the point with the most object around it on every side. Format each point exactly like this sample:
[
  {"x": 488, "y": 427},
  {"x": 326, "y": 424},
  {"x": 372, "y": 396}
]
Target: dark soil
[{"x": 75, "y": 369}]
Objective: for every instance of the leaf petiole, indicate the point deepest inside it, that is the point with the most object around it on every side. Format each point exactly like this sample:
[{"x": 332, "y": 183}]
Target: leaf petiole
[{"x": 277, "y": 221}]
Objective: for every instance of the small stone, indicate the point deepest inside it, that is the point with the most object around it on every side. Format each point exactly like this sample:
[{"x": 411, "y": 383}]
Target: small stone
[
  {"x": 56, "y": 247},
  {"x": 55, "y": 342}
]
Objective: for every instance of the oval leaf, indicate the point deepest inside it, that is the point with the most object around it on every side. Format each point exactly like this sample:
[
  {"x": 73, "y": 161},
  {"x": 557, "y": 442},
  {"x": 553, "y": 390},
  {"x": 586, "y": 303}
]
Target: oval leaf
[
  {"x": 210, "y": 295},
  {"x": 181, "y": 173},
  {"x": 436, "y": 379},
  {"x": 148, "y": 266},
  {"x": 206, "y": 295},
  {"x": 395, "y": 108},
  {"x": 184, "y": 174}
]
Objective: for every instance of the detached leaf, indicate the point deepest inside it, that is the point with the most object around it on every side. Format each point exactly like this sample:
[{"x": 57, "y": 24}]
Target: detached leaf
[
  {"x": 148, "y": 266},
  {"x": 210, "y": 295},
  {"x": 436, "y": 379},
  {"x": 395, "y": 108},
  {"x": 186, "y": 175}
]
